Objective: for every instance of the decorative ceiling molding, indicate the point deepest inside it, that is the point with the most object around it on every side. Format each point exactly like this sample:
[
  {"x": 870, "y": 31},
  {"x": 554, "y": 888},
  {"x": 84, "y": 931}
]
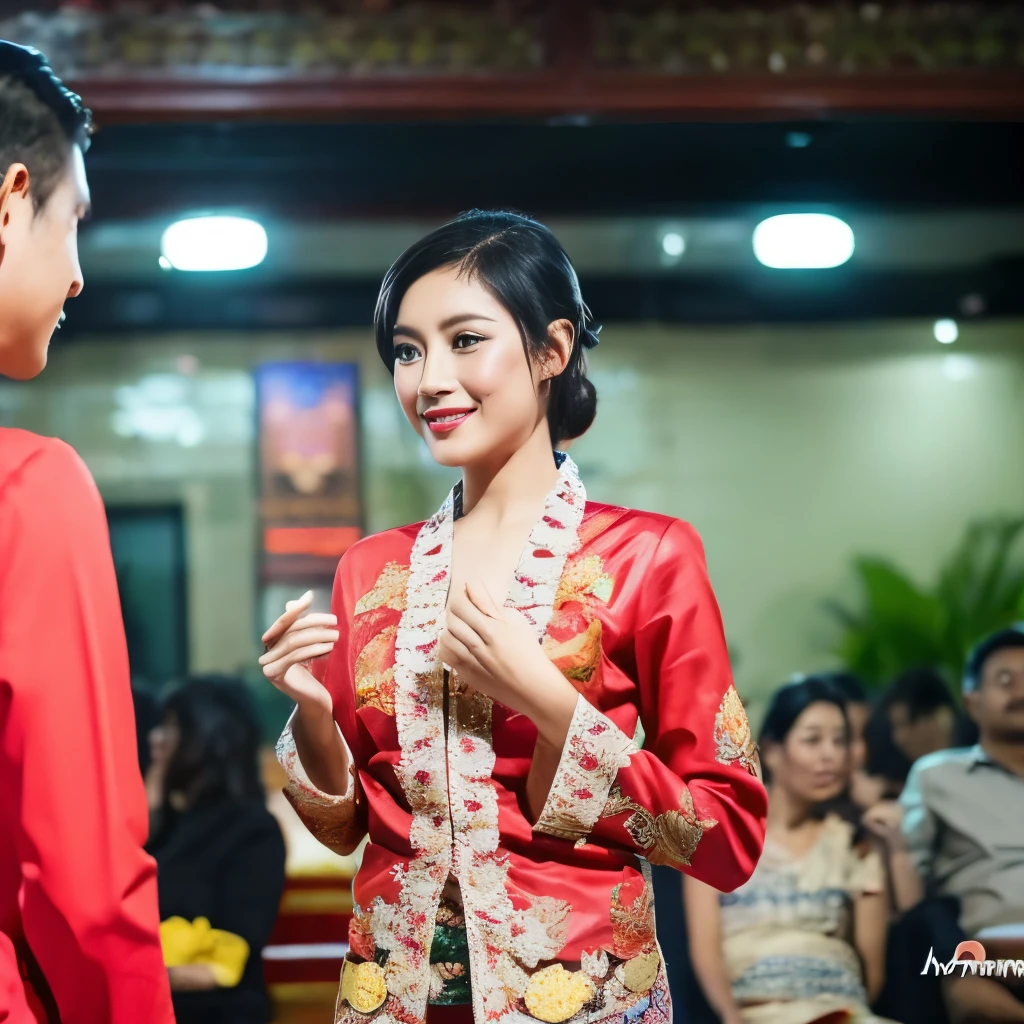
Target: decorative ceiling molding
[{"x": 564, "y": 58}]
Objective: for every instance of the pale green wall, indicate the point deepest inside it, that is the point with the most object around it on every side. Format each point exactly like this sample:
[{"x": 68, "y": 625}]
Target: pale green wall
[{"x": 790, "y": 448}]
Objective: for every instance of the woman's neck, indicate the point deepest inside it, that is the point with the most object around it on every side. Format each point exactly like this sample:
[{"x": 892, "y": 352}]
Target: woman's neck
[
  {"x": 494, "y": 490},
  {"x": 786, "y": 811}
]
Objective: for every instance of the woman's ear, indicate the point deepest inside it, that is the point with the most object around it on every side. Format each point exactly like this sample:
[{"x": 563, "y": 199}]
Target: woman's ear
[
  {"x": 771, "y": 755},
  {"x": 561, "y": 334}
]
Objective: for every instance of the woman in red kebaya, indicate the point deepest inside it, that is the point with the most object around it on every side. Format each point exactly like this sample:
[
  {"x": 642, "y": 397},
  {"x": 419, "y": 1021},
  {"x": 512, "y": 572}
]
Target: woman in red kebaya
[{"x": 523, "y": 701}]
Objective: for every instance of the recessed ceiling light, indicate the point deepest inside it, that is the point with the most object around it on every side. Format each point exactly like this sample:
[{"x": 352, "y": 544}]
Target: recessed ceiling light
[
  {"x": 803, "y": 241},
  {"x": 946, "y": 331},
  {"x": 214, "y": 243}
]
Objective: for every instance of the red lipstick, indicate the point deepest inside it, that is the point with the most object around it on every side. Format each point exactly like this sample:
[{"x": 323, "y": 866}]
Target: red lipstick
[{"x": 443, "y": 421}]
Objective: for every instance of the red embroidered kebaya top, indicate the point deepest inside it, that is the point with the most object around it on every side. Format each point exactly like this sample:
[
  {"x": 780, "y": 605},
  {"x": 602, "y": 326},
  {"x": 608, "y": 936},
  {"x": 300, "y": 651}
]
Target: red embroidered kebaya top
[
  {"x": 658, "y": 767},
  {"x": 78, "y": 901}
]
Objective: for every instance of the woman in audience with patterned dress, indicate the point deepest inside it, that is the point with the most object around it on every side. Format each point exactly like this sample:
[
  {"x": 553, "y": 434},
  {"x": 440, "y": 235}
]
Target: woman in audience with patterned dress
[{"x": 803, "y": 940}]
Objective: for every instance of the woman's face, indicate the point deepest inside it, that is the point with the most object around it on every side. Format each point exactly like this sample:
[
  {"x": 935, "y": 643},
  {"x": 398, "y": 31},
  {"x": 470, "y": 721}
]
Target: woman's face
[
  {"x": 813, "y": 761},
  {"x": 164, "y": 740},
  {"x": 461, "y": 373}
]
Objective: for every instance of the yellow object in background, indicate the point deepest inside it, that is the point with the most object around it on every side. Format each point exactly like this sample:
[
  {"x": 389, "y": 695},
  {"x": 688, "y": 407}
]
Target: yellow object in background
[{"x": 195, "y": 942}]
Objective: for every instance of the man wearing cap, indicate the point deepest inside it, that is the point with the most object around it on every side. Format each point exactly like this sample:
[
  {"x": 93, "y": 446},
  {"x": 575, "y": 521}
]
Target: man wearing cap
[
  {"x": 79, "y": 939},
  {"x": 963, "y": 826}
]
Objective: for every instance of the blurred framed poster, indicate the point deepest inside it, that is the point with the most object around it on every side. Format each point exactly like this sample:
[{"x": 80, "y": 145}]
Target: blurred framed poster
[{"x": 310, "y": 506}]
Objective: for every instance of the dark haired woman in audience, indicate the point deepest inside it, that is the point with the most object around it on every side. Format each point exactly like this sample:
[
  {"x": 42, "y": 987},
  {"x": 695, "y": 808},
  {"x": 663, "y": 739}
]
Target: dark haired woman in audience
[
  {"x": 219, "y": 852},
  {"x": 517, "y": 688},
  {"x": 803, "y": 941}
]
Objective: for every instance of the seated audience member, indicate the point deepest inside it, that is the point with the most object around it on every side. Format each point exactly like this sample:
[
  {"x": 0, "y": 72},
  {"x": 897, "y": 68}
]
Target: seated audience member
[
  {"x": 886, "y": 766},
  {"x": 924, "y": 715},
  {"x": 858, "y": 710},
  {"x": 220, "y": 854},
  {"x": 147, "y": 718},
  {"x": 963, "y": 824},
  {"x": 915, "y": 716},
  {"x": 865, "y": 790},
  {"x": 804, "y": 939}
]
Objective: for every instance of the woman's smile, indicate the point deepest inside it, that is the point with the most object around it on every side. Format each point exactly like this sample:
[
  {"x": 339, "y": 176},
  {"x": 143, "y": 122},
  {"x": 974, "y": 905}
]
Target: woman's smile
[{"x": 444, "y": 421}]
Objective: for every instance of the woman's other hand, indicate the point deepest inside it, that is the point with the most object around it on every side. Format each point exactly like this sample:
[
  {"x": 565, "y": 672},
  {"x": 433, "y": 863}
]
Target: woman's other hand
[{"x": 292, "y": 642}]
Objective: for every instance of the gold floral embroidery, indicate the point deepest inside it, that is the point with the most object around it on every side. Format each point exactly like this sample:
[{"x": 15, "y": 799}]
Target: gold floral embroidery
[
  {"x": 640, "y": 973},
  {"x": 618, "y": 1003},
  {"x": 363, "y": 986},
  {"x": 733, "y": 740},
  {"x": 388, "y": 591},
  {"x": 633, "y": 929},
  {"x": 573, "y": 639},
  {"x": 555, "y": 994},
  {"x": 577, "y": 659},
  {"x": 335, "y": 821},
  {"x": 583, "y": 577},
  {"x": 360, "y": 933},
  {"x": 375, "y": 672},
  {"x": 669, "y": 839}
]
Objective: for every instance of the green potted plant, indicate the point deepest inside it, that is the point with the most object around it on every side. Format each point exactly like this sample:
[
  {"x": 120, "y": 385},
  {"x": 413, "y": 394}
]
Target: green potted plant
[{"x": 900, "y": 624}]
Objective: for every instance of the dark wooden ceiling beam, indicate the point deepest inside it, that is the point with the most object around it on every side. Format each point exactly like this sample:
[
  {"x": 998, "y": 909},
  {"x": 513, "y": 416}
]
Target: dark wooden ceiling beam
[{"x": 554, "y": 94}]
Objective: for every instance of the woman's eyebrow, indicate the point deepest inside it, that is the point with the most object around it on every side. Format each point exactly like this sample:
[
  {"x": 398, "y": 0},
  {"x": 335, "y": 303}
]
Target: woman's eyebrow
[
  {"x": 458, "y": 318},
  {"x": 407, "y": 332},
  {"x": 462, "y": 317}
]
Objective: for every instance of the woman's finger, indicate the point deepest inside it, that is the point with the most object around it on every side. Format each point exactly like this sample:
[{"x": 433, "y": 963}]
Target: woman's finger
[
  {"x": 464, "y": 610},
  {"x": 480, "y": 598},
  {"x": 315, "y": 619},
  {"x": 276, "y": 670},
  {"x": 453, "y": 652},
  {"x": 301, "y": 638},
  {"x": 292, "y": 611},
  {"x": 464, "y": 633}
]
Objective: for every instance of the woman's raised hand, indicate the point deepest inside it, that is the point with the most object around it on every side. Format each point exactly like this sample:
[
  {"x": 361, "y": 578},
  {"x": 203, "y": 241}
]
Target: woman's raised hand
[{"x": 292, "y": 642}]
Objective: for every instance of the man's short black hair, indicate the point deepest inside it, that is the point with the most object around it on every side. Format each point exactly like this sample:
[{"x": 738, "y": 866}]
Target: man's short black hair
[
  {"x": 40, "y": 119},
  {"x": 922, "y": 690},
  {"x": 1011, "y": 637}
]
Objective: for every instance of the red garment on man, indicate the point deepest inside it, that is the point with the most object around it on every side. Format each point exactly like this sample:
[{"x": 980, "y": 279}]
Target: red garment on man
[{"x": 78, "y": 902}]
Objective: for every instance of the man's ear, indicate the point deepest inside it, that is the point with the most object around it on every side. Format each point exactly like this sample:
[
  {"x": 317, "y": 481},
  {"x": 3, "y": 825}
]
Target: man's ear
[
  {"x": 556, "y": 356},
  {"x": 15, "y": 186},
  {"x": 971, "y": 705}
]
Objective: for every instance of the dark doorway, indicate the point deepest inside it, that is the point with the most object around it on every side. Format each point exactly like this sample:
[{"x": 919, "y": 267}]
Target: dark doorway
[{"x": 148, "y": 543}]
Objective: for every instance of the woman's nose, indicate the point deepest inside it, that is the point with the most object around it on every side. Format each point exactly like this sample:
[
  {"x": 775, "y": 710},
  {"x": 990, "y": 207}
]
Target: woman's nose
[{"x": 437, "y": 377}]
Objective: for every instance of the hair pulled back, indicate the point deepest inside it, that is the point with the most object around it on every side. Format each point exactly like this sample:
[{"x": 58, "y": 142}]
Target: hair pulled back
[{"x": 524, "y": 266}]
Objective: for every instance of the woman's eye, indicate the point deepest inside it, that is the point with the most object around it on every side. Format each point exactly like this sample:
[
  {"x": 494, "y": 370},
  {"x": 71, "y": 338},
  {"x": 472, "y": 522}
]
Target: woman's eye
[
  {"x": 405, "y": 353},
  {"x": 465, "y": 340}
]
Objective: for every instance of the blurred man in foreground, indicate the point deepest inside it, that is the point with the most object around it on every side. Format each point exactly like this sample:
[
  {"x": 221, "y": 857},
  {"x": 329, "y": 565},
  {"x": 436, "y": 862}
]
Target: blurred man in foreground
[{"x": 78, "y": 905}]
